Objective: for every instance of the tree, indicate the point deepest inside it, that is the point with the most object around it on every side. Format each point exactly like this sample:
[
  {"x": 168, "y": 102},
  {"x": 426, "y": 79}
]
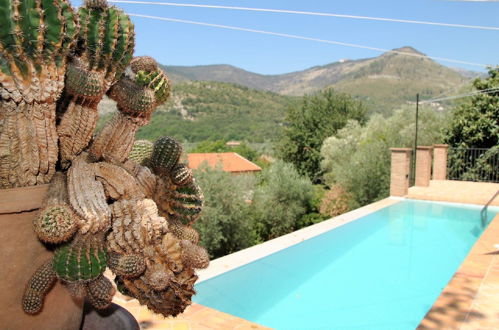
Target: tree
[
  {"x": 475, "y": 123},
  {"x": 308, "y": 124},
  {"x": 357, "y": 158},
  {"x": 225, "y": 226},
  {"x": 281, "y": 198}
]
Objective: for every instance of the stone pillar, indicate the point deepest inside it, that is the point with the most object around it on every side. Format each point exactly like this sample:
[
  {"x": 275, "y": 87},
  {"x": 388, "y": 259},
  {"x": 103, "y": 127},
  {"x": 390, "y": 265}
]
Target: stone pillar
[
  {"x": 423, "y": 166},
  {"x": 440, "y": 161},
  {"x": 399, "y": 174}
]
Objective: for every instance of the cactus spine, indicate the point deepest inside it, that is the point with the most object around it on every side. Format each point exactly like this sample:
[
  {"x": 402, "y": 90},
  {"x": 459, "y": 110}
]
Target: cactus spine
[{"x": 35, "y": 38}]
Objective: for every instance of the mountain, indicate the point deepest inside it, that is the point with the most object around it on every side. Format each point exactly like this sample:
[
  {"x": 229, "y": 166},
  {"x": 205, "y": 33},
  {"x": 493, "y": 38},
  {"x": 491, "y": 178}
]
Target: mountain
[
  {"x": 383, "y": 82},
  {"x": 201, "y": 110}
]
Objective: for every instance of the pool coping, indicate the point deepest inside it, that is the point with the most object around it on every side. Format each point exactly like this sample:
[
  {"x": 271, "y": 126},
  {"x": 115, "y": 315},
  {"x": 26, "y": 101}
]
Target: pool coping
[
  {"x": 237, "y": 259},
  {"x": 470, "y": 298}
]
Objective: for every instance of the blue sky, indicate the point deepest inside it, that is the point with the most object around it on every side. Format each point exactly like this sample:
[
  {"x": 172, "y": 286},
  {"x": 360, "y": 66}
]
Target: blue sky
[{"x": 182, "y": 44}]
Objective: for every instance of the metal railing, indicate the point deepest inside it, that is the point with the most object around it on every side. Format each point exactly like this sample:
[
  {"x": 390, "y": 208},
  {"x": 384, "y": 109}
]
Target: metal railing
[
  {"x": 483, "y": 212},
  {"x": 473, "y": 164}
]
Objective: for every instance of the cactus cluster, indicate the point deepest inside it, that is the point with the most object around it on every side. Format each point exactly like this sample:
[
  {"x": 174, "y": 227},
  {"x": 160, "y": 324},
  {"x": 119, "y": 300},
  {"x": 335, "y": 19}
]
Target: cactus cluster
[
  {"x": 112, "y": 201},
  {"x": 36, "y": 38}
]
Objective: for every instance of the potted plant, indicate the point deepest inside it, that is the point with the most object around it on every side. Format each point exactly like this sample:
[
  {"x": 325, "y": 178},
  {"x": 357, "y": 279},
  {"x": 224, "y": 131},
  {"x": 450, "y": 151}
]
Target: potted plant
[{"x": 71, "y": 203}]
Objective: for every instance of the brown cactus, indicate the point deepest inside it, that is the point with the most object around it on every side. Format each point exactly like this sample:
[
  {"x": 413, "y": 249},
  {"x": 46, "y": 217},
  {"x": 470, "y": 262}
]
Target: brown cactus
[
  {"x": 117, "y": 182},
  {"x": 39, "y": 284},
  {"x": 87, "y": 197},
  {"x": 100, "y": 292},
  {"x": 56, "y": 222}
]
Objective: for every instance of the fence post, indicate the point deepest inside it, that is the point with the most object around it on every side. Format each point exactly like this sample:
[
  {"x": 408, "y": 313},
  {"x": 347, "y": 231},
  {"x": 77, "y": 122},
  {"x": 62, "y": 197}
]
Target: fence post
[
  {"x": 440, "y": 161},
  {"x": 399, "y": 173},
  {"x": 423, "y": 166}
]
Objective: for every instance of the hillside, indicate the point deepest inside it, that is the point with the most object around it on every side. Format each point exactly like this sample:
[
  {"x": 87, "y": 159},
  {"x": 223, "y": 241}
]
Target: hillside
[
  {"x": 384, "y": 82},
  {"x": 199, "y": 111}
]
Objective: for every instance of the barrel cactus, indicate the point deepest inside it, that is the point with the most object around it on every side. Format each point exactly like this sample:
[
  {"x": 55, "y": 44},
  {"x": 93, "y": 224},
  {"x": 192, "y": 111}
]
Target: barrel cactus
[
  {"x": 105, "y": 47},
  {"x": 35, "y": 38}
]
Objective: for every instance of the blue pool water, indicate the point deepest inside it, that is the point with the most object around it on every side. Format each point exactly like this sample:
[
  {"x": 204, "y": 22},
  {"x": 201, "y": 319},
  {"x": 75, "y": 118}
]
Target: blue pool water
[{"x": 383, "y": 271}]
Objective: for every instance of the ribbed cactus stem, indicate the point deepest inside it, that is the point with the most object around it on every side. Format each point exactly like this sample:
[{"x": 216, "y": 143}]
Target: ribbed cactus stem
[
  {"x": 56, "y": 222},
  {"x": 181, "y": 175},
  {"x": 100, "y": 292},
  {"x": 194, "y": 256},
  {"x": 84, "y": 259},
  {"x": 35, "y": 39},
  {"x": 165, "y": 155},
  {"x": 116, "y": 139},
  {"x": 128, "y": 265},
  {"x": 105, "y": 48},
  {"x": 38, "y": 286},
  {"x": 141, "y": 152}
]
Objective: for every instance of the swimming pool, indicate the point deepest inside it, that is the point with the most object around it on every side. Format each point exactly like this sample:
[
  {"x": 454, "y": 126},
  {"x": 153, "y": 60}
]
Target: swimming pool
[{"x": 382, "y": 271}]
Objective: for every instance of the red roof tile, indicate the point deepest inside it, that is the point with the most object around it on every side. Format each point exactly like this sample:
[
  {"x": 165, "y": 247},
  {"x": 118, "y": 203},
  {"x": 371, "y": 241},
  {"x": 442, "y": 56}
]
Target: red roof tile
[{"x": 231, "y": 161}]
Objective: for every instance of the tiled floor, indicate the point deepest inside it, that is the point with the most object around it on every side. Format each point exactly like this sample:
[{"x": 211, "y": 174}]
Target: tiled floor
[{"x": 456, "y": 191}]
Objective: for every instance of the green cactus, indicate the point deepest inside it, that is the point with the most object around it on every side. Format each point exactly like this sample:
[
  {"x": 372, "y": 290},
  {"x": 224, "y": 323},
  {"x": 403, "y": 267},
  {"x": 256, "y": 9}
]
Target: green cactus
[
  {"x": 106, "y": 39},
  {"x": 129, "y": 265},
  {"x": 187, "y": 202},
  {"x": 141, "y": 151},
  {"x": 84, "y": 259},
  {"x": 38, "y": 286},
  {"x": 165, "y": 155},
  {"x": 132, "y": 99},
  {"x": 181, "y": 175},
  {"x": 35, "y": 36}
]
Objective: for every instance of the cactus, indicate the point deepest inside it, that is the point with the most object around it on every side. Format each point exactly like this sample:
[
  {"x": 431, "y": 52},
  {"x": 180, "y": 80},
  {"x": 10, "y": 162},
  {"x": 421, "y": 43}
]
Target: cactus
[
  {"x": 56, "y": 222},
  {"x": 145, "y": 178},
  {"x": 84, "y": 259},
  {"x": 117, "y": 182},
  {"x": 106, "y": 43},
  {"x": 136, "y": 99},
  {"x": 141, "y": 152},
  {"x": 87, "y": 197},
  {"x": 128, "y": 265},
  {"x": 39, "y": 284},
  {"x": 187, "y": 203},
  {"x": 181, "y": 175},
  {"x": 181, "y": 231},
  {"x": 35, "y": 38},
  {"x": 194, "y": 256},
  {"x": 100, "y": 292},
  {"x": 165, "y": 155}
]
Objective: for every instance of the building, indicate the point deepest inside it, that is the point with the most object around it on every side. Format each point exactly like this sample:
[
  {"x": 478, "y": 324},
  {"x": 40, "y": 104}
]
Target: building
[{"x": 229, "y": 161}]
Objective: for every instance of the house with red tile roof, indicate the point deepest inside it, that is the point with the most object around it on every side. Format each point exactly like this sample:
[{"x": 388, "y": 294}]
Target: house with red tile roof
[{"x": 229, "y": 161}]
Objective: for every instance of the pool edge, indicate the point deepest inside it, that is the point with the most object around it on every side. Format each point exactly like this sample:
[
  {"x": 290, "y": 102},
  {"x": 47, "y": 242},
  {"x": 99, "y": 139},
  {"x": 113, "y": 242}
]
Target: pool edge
[
  {"x": 471, "y": 297},
  {"x": 237, "y": 259}
]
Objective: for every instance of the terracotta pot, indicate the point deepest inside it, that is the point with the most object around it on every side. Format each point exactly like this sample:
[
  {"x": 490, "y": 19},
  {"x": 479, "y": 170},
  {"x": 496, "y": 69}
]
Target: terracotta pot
[{"x": 21, "y": 253}]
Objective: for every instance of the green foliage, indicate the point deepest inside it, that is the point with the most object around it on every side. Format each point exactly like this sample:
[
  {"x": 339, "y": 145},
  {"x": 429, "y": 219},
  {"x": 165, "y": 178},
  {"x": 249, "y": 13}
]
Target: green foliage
[
  {"x": 358, "y": 157},
  {"x": 224, "y": 226},
  {"x": 307, "y": 125},
  {"x": 282, "y": 197},
  {"x": 475, "y": 123}
]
